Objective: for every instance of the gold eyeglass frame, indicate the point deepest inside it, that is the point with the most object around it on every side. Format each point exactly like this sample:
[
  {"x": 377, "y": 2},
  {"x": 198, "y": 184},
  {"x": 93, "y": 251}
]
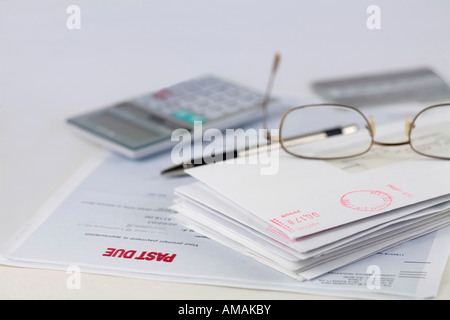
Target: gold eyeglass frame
[{"x": 370, "y": 123}]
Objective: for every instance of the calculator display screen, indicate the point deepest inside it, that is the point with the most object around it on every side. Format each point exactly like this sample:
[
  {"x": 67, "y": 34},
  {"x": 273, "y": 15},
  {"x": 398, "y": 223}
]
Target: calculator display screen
[
  {"x": 123, "y": 126},
  {"x": 119, "y": 126}
]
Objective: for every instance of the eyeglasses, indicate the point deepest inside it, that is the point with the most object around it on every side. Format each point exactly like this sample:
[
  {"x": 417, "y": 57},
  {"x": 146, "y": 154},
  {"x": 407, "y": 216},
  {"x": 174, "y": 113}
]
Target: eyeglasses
[{"x": 335, "y": 131}]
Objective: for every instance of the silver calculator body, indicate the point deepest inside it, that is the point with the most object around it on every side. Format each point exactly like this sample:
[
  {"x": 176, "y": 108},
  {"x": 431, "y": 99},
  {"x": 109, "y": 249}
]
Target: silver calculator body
[{"x": 143, "y": 126}]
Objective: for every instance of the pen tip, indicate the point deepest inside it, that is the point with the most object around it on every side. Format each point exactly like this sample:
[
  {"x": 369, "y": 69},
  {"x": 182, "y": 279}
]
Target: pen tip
[{"x": 173, "y": 171}]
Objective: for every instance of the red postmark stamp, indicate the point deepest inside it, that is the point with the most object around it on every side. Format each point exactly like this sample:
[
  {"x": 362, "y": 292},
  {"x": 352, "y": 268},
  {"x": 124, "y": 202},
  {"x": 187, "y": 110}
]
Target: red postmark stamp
[{"x": 366, "y": 200}]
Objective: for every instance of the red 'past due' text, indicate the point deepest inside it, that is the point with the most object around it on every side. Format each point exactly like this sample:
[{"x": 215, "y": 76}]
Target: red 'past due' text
[{"x": 143, "y": 255}]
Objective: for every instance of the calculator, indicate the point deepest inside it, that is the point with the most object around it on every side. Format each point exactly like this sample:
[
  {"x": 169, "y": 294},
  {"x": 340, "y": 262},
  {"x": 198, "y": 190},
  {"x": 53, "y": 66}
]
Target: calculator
[{"x": 143, "y": 126}]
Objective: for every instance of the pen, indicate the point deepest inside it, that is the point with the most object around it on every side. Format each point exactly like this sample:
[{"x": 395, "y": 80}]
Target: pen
[{"x": 179, "y": 169}]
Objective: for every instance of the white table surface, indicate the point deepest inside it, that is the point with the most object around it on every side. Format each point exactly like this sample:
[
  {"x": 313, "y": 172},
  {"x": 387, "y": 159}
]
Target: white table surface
[{"x": 125, "y": 48}]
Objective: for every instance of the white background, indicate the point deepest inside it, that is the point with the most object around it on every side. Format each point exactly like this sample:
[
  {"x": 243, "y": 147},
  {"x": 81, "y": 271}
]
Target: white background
[{"x": 126, "y": 48}]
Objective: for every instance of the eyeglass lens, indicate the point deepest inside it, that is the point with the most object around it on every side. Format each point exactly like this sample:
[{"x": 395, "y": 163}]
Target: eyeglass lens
[
  {"x": 430, "y": 132},
  {"x": 325, "y": 132}
]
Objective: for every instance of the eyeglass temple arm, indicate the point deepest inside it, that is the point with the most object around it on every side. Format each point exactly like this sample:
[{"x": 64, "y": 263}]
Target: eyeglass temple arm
[{"x": 268, "y": 93}]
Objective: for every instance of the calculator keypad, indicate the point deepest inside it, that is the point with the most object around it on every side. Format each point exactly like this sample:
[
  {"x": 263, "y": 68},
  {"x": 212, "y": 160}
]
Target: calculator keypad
[{"x": 203, "y": 99}]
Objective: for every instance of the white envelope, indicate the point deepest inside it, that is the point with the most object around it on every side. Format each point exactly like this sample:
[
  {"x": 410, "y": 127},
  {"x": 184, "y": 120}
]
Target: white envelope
[
  {"x": 204, "y": 198},
  {"x": 271, "y": 243},
  {"x": 306, "y": 197},
  {"x": 314, "y": 267}
]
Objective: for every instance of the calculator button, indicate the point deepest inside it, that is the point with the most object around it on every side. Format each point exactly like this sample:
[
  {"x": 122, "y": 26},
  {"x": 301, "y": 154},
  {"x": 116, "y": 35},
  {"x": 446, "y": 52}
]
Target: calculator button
[
  {"x": 189, "y": 117},
  {"x": 181, "y": 115},
  {"x": 196, "y": 117},
  {"x": 162, "y": 94}
]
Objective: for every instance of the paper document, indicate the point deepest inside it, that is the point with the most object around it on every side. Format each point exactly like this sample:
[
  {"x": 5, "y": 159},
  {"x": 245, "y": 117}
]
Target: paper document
[
  {"x": 113, "y": 217},
  {"x": 118, "y": 219}
]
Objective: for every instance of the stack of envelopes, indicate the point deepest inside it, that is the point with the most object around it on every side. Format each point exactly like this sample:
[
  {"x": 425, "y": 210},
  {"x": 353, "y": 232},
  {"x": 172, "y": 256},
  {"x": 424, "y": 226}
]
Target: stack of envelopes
[{"x": 311, "y": 217}]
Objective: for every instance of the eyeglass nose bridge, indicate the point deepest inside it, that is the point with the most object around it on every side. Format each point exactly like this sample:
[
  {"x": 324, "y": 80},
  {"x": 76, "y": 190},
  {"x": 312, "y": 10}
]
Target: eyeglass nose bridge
[{"x": 409, "y": 125}]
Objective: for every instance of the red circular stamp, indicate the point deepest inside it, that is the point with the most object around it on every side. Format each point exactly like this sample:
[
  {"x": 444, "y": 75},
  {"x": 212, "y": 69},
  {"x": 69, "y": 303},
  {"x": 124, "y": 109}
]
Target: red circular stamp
[{"x": 366, "y": 200}]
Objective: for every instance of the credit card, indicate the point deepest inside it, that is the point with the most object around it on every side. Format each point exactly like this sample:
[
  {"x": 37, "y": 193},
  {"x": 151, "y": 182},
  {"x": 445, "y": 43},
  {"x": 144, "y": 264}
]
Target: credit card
[{"x": 421, "y": 84}]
